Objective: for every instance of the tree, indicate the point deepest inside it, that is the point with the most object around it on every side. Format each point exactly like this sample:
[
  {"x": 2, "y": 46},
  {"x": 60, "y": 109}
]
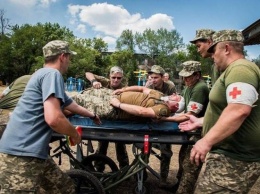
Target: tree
[
  {"x": 160, "y": 42},
  {"x": 257, "y": 61},
  {"x": 126, "y": 60},
  {"x": 4, "y": 22},
  {"x": 24, "y": 47},
  {"x": 126, "y": 41}
]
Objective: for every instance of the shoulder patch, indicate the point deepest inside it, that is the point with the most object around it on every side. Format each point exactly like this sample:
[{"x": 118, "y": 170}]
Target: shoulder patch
[{"x": 164, "y": 112}]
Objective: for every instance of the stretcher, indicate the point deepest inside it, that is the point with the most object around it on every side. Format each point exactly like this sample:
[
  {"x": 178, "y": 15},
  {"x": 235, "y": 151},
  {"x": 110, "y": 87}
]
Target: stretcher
[{"x": 133, "y": 132}]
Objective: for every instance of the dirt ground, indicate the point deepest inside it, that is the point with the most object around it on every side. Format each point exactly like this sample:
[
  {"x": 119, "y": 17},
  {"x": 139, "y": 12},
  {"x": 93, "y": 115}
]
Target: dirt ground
[
  {"x": 127, "y": 186},
  {"x": 152, "y": 182}
]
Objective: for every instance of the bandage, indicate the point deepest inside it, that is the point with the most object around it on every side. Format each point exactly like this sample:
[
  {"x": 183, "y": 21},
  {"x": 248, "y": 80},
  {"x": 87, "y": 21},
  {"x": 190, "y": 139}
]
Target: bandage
[
  {"x": 165, "y": 98},
  {"x": 181, "y": 105}
]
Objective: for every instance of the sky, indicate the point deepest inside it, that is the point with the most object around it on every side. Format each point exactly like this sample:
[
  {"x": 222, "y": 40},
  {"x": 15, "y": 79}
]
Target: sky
[{"x": 107, "y": 19}]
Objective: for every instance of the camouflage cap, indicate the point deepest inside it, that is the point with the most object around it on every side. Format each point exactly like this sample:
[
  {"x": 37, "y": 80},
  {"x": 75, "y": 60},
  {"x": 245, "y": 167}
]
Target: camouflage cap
[
  {"x": 202, "y": 34},
  {"x": 189, "y": 67},
  {"x": 226, "y": 35},
  {"x": 116, "y": 69},
  {"x": 156, "y": 69},
  {"x": 56, "y": 47}
]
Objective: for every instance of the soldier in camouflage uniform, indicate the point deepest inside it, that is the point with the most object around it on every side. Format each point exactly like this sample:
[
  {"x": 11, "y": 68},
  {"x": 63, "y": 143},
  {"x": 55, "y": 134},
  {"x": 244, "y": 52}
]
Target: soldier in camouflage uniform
[
  {"x": 114, "y": 82},
  {"x": 25, "y": 166},
  {"x": 156, "y": 74},
  {"x": 203, "y": 41},
  {"x": 132, "y": 101},
  {"x": 195, "y": 95},
  {"x": 231, "y": 123}
]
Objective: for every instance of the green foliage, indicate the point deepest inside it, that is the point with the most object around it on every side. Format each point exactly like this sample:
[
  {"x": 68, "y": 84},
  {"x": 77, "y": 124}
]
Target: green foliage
[
  {"x": 257, "y": 61},
  {"x": 126, "y": 60},
  {"x": 21, "y": 52},
  {"x": 160, "y": 42},
  {"x": 126, "y": 41},
  {"x": 24, "y": 47}
]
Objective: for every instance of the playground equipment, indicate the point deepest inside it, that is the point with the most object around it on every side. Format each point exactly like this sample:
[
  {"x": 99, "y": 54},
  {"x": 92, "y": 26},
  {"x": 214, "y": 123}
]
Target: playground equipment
[
  {"x": 207, "y": 79},
  {"x": 141, "y": 74}
]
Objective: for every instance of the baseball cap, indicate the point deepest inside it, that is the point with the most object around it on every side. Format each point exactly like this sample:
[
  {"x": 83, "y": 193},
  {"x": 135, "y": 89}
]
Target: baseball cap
[
  {"x": 189, "y": 67},
  {"x": 202, "y": 34},
  {"x": 116, "y": 69},
  {"x": 156, "y": 69},
  {"x": 56, "y": 47},
  {"x": 226, "y": 35}
]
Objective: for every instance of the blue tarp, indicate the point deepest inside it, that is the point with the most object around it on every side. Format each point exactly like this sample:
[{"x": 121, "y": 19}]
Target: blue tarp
[{"x": 131, "y": 125}]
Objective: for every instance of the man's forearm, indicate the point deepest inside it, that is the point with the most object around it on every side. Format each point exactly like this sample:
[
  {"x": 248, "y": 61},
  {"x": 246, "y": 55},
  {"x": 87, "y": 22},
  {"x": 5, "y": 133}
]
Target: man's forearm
[
  {"x": 76, "y": 109},
  {"x": 136, "y": 110},
  {"x": 177, "y": 118},
  {"x": 229, "y": 122}
]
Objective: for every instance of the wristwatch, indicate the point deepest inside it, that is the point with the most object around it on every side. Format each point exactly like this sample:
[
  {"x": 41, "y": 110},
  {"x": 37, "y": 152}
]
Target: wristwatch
[{"x": 93, "y": 80}]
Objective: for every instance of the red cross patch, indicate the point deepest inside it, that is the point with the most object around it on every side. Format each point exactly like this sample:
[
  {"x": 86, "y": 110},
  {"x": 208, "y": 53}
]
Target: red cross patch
[
  {"x": 194, "y": 107},
  {"x": 235, "y": 92}
]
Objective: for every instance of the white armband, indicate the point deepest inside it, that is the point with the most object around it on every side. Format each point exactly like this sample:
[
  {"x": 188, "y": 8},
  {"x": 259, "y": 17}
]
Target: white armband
[
  {"x": 6, "y": 90},
  {"x": 241, "y": 93}
]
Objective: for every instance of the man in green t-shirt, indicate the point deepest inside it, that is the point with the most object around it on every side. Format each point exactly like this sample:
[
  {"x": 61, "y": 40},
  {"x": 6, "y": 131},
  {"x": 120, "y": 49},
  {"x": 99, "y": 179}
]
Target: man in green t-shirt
[
  {"x": 188, "y": 178},
  {"x": 12, "y": 94},
  {"x": 231, "y": 124},
  {"x": 196, "y": 97},
  {"x": 156, "y": 74},
  {"x": 203, "y": 41}
]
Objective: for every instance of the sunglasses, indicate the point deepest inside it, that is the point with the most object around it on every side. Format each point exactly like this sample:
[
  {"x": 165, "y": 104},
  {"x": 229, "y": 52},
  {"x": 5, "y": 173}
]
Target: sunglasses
[{"x": 116, "y": 78}]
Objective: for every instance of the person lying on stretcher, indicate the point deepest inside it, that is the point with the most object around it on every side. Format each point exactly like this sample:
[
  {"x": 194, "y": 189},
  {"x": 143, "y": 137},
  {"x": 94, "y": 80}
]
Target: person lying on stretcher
[{"x": 130, "y": 103}]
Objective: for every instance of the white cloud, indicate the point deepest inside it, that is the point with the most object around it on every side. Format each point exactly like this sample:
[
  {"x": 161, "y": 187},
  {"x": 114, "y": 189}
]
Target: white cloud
[
  {"x": 81, "y": 28},
  {"x": 24, "y": 3},
  {"x": 32, "y": 3},
  {"x": 111, "y": 20},
  {"x": 46, "y": 3}
]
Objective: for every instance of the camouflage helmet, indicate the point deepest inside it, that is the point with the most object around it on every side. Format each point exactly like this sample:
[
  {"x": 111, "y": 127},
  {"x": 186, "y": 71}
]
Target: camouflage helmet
[
  {"x": 56, "y": 47},
  {"x": 156, "y": 69},
  {"x": 226, "y": 35},
  {"x": 189, "y": 67},
  {"x": 203, "y": 34}
]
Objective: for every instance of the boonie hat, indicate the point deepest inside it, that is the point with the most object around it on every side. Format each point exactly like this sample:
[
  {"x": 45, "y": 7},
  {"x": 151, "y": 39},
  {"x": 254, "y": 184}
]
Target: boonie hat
[
  {"x": 56, "y": 47},
  {"x": 189, "y": 67},
  {"x": 116, "y": 69},
  {"x": 226, "y": 35},
  {"x": 156, "y": 69},
  {"x": 203, "y": 34}
]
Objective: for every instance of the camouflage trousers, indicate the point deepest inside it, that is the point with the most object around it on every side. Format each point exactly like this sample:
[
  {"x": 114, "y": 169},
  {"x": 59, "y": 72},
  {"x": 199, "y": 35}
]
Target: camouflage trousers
[
  {"x": 188, "y": 173},
  {"x": 166, "y": 154},
  {"x": 29, "y": 175},
  {"x": 97, "y": 101},
  {"x": 121, "y": 152},
  {"x": 225, "y": 175}
]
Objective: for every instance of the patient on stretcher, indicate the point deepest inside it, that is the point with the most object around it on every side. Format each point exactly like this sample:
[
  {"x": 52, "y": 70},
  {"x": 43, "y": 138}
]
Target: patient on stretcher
[{"x": 129, "y": 103}]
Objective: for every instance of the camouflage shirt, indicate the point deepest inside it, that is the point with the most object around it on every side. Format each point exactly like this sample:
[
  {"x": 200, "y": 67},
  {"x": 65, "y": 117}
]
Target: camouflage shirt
[{"x": 106, "y": 82}]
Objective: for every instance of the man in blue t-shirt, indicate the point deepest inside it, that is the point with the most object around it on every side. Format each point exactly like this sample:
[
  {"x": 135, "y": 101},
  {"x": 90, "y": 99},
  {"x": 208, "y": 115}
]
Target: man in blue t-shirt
[{"x": 24, "y": 145}]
